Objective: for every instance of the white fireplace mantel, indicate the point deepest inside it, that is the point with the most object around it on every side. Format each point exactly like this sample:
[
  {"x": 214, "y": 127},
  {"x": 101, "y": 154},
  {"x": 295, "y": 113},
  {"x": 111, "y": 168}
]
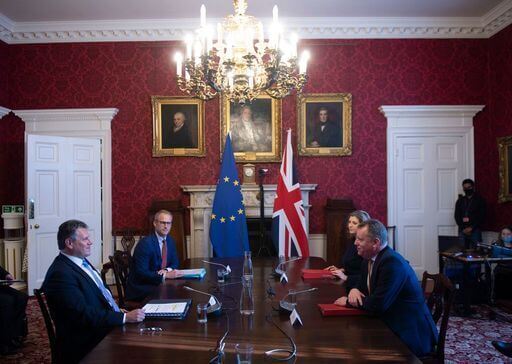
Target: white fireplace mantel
[{"x": 201, "y": 201}]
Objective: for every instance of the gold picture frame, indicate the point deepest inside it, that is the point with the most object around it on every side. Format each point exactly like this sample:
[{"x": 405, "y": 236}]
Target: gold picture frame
[
  {"x": 335, "y": 137},
  {"x": 505, "y": 169},
  {"x": 169, "y": 138},
  {"x": 255, "y": 129}
]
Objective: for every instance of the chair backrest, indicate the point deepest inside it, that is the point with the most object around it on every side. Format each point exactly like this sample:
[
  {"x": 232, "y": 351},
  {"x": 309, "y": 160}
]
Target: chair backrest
[
  {"x": 439, "y": 301},
  {"x": 121, "y": 265},
  {"x": 48, "y": 321}
]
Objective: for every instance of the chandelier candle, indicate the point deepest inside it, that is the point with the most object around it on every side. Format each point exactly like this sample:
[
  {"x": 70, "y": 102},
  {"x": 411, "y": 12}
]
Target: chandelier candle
[{"x": 241, "y": 64}]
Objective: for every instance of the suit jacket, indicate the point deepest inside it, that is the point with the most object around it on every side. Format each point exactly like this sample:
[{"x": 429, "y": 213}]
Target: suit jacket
[
  {"x": 81, "y": 313},
  {"x": 146, "y": 262},
  {"x": 181, "y": 138},
  {"x": 351, "y": 262},
  {"x": 330, "y": 136},
  {"x": 3, "y": 273},
  {"x": 397, "y": 298}
]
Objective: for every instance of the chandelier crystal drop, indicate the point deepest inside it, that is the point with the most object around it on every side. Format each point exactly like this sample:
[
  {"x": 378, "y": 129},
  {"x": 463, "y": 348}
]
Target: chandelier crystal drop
[{"x": 241, "y": 64}]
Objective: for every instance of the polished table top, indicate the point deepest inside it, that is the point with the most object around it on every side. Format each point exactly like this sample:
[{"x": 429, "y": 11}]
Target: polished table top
[{"x": 320, "y": 339}]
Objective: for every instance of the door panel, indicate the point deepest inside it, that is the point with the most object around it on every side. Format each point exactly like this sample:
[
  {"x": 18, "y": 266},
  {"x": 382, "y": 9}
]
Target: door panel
[
  {"x": 63, "y": 180},
  {"x": 428, "y": 170}
]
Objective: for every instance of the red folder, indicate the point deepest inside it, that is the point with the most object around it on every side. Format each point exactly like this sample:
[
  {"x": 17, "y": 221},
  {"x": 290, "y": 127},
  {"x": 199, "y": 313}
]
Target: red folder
[
  {"x": 330, "y": 309},
  {"x": 316, "y": 274}
]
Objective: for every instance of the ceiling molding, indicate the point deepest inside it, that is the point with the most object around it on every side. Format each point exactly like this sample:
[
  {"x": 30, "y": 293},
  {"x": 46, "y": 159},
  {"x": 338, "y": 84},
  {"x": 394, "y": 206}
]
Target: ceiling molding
[{"x": 307, "y": 28}]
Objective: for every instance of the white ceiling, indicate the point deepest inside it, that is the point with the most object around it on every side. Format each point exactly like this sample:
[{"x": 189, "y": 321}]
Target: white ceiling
[
  {"x": 72, "y": 10},
  {"x": 43, "y": 21}
]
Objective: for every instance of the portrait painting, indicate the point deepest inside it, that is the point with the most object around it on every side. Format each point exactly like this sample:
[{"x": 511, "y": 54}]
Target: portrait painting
[
  {"x": 325, "y": 124},
  {"x": 505, "y": 168},
  {"x": 255, "y": 129},
  {"x": 178, "y": 127}
]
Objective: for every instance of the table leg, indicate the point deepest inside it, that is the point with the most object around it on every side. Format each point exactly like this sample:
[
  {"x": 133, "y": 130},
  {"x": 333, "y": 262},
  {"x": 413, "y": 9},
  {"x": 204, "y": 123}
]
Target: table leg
[{"x": 466, "y": 291}]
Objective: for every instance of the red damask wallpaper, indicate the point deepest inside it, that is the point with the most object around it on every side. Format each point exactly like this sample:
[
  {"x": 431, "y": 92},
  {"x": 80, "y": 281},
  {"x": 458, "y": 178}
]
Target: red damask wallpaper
[
  {"x": 499, "y": 124},
  {"x": 376, "y": 72},
  {"x": 4, "y": 68}
]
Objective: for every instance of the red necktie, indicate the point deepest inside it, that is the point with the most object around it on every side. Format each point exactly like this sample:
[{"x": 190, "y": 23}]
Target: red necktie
[{"x": 164, "y": 254}]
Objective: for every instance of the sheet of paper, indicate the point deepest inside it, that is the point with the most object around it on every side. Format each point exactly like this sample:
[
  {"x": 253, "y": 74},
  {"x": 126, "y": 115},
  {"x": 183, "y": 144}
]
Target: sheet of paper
[{"x": 165, "y": 308}]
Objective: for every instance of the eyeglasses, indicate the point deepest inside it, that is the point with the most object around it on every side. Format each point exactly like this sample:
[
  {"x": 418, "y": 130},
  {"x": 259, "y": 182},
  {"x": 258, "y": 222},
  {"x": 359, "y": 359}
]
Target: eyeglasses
[{"x": 165, "y": 222}]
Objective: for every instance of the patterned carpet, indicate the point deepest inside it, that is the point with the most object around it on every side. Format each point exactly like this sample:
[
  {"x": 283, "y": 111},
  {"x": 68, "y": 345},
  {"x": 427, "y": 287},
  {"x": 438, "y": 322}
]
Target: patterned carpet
[{"x": 467, "y": 341}]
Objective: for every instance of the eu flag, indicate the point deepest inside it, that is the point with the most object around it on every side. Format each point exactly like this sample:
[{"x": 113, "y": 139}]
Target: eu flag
[{"x": 228, "y": 228}]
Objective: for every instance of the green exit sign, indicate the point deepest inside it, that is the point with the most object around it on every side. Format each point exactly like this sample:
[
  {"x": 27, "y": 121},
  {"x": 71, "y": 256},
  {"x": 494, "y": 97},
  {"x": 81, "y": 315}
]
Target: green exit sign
[{"x": 7, "y": 209}]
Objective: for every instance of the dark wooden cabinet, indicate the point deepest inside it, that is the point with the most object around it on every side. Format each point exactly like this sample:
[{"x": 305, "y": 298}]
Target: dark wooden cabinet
[{"x": 336, "y": 212}]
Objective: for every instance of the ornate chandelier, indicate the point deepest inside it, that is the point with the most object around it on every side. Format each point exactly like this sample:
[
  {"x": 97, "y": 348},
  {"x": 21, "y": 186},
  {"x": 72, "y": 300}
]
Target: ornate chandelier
[{"x": 241, "y": 64}]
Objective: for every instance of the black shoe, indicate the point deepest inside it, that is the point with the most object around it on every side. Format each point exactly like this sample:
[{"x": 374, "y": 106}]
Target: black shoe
[{"x": 503, "y": 347}]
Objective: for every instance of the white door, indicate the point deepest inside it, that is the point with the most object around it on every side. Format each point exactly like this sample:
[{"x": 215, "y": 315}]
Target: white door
[
  {"x": 63, "y": 182},
  {"x": 429, "y": 171}
]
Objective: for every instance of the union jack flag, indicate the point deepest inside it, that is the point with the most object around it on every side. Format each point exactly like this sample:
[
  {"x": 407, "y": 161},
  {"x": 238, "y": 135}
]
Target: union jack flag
[{"x": 288, "y": 221}]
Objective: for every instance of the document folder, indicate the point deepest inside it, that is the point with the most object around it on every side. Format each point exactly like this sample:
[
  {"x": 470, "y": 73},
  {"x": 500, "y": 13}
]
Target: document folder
[
  {"x": 167, "y": 308},
  {"x": 193, "y": 273},
  {"x": 316, "y": 274},
  {"x": 330, "y": 309}
]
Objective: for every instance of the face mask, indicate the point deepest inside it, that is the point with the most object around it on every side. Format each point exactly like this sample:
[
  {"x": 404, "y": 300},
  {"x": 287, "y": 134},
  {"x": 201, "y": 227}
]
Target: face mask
[
  {"x": 469, "y": 192},
  {"x": 507, "y": 239}
]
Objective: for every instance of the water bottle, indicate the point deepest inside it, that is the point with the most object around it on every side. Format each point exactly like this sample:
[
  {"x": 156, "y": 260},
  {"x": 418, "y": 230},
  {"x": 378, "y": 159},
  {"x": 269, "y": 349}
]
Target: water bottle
[
  {"x": 246, "y": 299},
  {"x": 247, "y": 272}
]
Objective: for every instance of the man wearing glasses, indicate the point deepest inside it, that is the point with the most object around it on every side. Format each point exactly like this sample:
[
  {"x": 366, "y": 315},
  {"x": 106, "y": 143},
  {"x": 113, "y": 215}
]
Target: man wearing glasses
[{"x": 154, "y": 260}]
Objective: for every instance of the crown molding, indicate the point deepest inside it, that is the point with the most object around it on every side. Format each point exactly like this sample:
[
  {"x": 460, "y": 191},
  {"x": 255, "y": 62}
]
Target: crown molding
[
  {"x": 307, "y": 28},
  {"x": 430, "y": 111},
  {"x": 4, "y": 111},
  {"x": 72, "y": 119}
]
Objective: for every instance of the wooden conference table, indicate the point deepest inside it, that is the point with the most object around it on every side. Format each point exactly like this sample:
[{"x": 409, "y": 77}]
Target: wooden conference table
[{"x": 319, "y": 340}]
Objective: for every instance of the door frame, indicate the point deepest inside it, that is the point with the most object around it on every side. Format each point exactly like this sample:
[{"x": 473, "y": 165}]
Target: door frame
[
  {"x": 411, "y": 121},
  {"x": 81, "y": 123},
  {"x": 4, "y": 111}
]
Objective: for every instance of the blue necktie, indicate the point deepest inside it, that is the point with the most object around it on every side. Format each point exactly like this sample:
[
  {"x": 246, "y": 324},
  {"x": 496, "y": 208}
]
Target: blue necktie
[{"x": 106, "y": 293}]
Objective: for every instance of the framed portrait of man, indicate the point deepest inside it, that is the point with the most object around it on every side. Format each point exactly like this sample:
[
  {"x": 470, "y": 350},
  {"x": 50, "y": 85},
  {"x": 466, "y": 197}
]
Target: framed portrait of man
[
  {"x": 178, "y": 127},
  {"x": 505, "y": 168},
  {"x": 255, "y": 129},
  {"x": 325, "y": 124}
]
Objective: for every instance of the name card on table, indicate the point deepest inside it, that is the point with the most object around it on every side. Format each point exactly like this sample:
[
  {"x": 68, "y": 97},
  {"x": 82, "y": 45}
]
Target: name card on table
[
  {"x": 295, "y": 318},
  {"x": 212, "y": 301},
  {"x": 284, "y": 278}
]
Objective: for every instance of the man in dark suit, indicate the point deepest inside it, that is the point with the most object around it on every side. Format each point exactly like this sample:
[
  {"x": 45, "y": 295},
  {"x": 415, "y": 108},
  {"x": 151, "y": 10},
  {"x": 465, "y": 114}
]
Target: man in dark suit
[
  {"x": 389, "y": 288},
  {"x": 179, "y": 134},
  {"x": 326, "y": 133},
  {"x": 82, "y": 307},
  {"x": 13, "y": 321},
  {"x": 154, "y": 259}
]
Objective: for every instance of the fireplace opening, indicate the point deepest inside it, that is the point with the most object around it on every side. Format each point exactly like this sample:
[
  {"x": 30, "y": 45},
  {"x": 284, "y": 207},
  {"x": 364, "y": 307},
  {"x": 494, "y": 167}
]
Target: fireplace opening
[{"x": 261, "y": 247}]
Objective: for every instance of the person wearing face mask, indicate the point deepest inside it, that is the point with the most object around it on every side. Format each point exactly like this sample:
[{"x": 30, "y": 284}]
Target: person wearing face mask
[
  {"x": 505, "y": 237},
  {"x": 351, "y": 261},
  {"x": 470, "y": 214},
  {"x": 503, "y": 271}
]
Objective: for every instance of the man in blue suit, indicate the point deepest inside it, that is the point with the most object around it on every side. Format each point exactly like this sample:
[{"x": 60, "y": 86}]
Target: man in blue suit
[
  {"x": 82, "y": 307},
  {"x": 154, "y": 260},
  {"x": 389, "y": 288}
]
